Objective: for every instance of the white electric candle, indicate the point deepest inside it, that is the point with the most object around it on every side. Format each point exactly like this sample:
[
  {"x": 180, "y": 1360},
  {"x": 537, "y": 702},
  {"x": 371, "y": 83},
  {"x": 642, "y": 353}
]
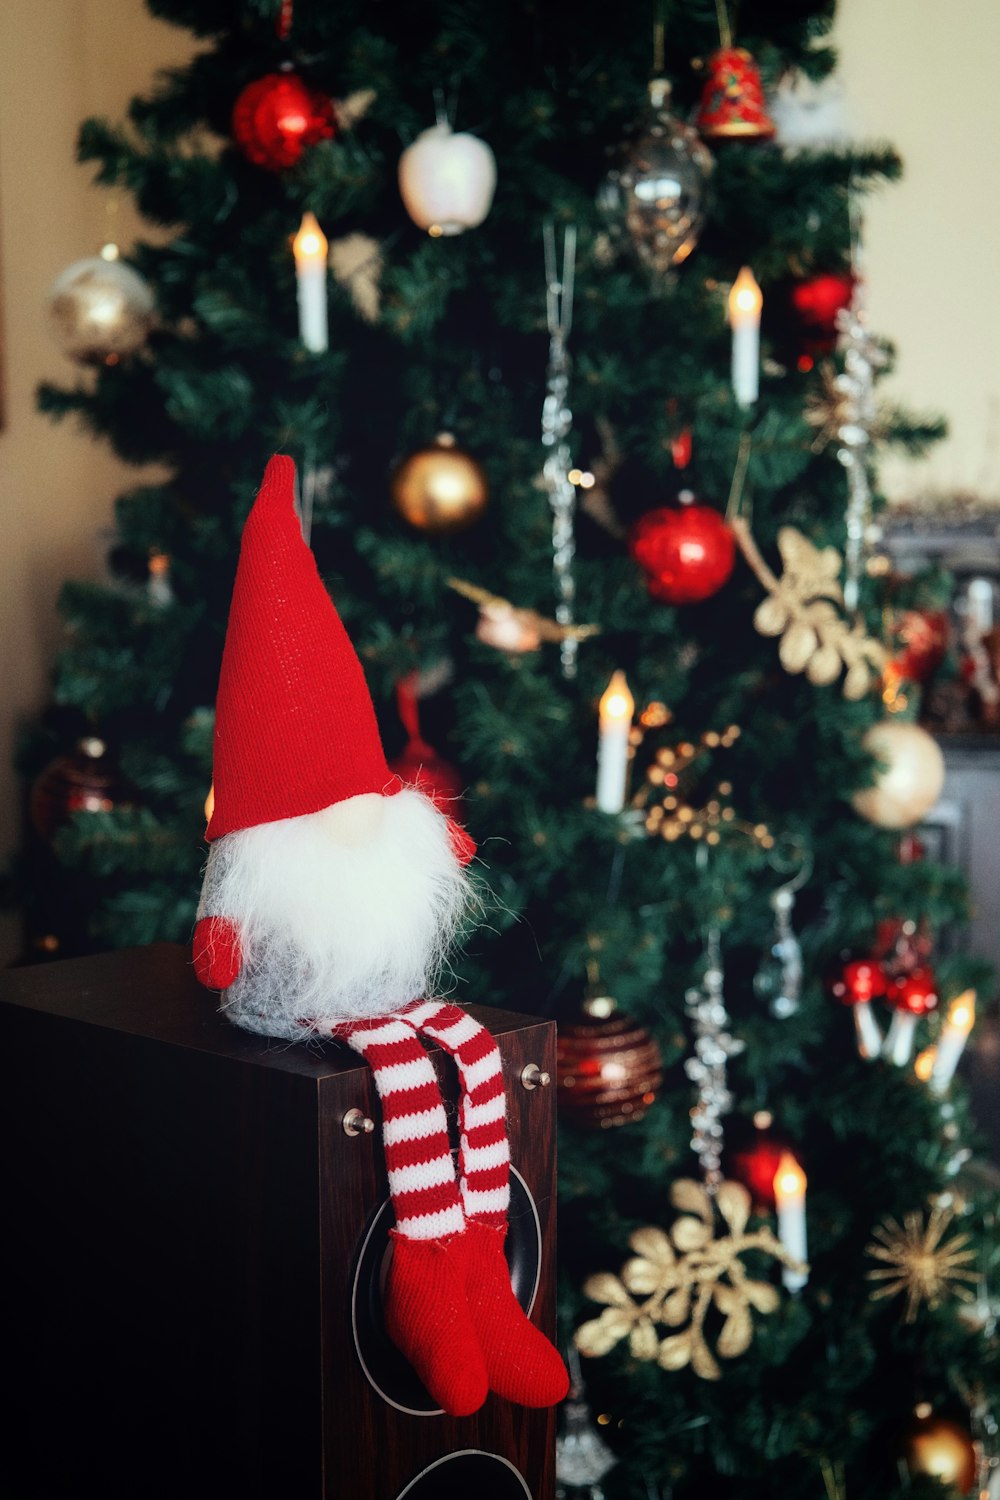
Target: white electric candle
[
  {"x": 745, "y": 303},
  {"x": 310, "y": 249},
  {"x": 958, "y": 1023},
  {"x": 617, "y": 708},
  {"x": 790, "y": 1200},
  {"x": 898, "y": 1046},
  {"x": 867, "y": 1030}
]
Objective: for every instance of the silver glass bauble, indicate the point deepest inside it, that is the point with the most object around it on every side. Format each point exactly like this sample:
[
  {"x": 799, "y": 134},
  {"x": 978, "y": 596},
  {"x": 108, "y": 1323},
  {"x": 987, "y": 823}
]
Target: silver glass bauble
[
  {"x": 100, "y": 309},
  {"x": 658, "y": 193}
]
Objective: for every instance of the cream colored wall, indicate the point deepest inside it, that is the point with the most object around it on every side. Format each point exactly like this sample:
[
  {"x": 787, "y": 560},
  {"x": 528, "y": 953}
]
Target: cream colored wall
[
  {"x": 915, "y": 72},
  {"x": 923, "y": 75},
  {"x": 60, "y": 60}
]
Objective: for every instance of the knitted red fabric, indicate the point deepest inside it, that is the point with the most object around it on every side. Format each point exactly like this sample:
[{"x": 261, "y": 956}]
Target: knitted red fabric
[{"x": 295, "y": 729}]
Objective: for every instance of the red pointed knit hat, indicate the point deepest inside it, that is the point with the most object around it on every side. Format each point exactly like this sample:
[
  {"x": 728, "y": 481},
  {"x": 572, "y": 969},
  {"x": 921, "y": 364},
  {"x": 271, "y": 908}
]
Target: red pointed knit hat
[{"x": 295, "y": 729}]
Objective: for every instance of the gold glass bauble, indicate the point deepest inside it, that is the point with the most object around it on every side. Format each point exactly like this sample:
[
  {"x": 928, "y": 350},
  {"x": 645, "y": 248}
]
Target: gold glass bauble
[
  {"x": 440, "y": 489},
  {"x": 911, "y": 778},
  {"x": 100, "y": 310},
  {"x": 943, "y": 1449}
]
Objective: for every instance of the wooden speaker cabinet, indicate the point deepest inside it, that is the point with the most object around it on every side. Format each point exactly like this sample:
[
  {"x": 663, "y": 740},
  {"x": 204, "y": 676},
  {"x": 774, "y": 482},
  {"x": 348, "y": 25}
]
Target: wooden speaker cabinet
[{"x": 194, "y": 1249}]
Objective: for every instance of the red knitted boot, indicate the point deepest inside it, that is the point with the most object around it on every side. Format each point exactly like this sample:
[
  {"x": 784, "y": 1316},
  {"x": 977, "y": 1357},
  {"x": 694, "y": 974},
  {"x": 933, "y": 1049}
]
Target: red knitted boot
[
  {"x": 427, "y": 1318},
  {"x": 426, "y": 1313},
  {"x": 521, "y": 1364}
]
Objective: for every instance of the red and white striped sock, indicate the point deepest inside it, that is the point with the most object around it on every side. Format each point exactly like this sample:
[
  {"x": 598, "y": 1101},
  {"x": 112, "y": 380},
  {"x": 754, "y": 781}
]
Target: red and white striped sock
[
  {"x": 521, "y": 1364},
  {"x": 484, "y": 1156},
  {"x": 426, "y": 1310}
]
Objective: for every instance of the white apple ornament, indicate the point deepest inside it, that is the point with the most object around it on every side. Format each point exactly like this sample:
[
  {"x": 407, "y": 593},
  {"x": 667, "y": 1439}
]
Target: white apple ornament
[{"x": 447, "y": 180}]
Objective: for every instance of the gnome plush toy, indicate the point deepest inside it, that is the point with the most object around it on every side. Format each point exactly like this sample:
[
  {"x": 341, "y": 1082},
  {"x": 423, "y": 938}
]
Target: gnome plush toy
[{"x": 330, "y": 896}]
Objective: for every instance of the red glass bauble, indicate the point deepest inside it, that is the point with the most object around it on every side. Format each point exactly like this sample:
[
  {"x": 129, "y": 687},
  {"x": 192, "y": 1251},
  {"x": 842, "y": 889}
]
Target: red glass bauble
[
  {"x": 860, "y": 980},
  {"x": 818, "y": 300},
  {"x": 686, "y": 553},
  {"x": 276, "y": 117},
  {"x": 754, "y": 1160},
  {"x": 420, "y": 765},
  {"x": 916, "y": 992},
  {"x": 609, "y": 1071},
  {"x": 732, "y": 100},
  {"x": 923, "y": 637}
]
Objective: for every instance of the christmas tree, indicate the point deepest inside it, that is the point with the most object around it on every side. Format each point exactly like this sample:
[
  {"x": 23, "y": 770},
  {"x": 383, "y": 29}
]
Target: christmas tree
[{"x": 672, "y": 864}]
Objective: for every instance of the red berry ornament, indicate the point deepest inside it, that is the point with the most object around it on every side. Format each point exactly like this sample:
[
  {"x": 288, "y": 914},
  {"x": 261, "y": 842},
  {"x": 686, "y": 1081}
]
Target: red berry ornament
[
  {"x": 860, "y": 981},
  {"x": 916, "y": 992},
  {"x": 277, "y": 117},
  {"x": 687, "y": 554}
]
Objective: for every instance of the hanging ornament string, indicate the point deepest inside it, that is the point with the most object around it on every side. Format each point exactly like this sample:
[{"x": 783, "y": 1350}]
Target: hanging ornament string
[
  {"x": 725, "y": 30},
  {"x": 283, "y": 22},
  {"x": 862, "y": 359},
  {"x": 713, "y": 1047},
  {"x": 557, "y": 419}
]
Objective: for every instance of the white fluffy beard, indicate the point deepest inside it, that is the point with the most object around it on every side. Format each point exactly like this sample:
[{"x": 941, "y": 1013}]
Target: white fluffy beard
[{"x": 333, "y": 932}]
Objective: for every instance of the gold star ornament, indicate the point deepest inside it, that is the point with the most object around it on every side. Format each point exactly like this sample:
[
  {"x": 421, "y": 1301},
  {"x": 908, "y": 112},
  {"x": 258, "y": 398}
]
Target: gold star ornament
[{"x": 920, "y": 1258}]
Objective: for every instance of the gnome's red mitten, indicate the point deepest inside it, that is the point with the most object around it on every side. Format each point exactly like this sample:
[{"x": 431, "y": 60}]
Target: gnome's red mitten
[{"x": 217, "y": 952}]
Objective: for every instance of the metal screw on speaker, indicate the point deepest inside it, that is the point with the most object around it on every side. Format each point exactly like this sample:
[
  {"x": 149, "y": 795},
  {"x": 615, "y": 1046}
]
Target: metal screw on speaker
[
  {"x": 533, "y": 1077},
  {"x": 356, "y": 1122}
]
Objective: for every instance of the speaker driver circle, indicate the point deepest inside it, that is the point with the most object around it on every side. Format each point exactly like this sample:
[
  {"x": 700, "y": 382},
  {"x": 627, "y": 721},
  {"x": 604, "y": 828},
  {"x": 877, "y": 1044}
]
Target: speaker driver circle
[{"x": 471, "y": 1471}]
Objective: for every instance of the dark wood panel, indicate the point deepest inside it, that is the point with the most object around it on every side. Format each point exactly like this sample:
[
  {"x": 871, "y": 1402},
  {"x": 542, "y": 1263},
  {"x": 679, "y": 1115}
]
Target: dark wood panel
[{"x": 186, "y": 1217}]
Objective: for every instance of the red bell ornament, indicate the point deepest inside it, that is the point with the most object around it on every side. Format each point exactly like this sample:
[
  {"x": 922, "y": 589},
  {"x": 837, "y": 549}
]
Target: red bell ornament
[
  {"x": 732, "y": 100},
  {"x": 687, "y": 553},
  {"x": 276, "y": 117}
]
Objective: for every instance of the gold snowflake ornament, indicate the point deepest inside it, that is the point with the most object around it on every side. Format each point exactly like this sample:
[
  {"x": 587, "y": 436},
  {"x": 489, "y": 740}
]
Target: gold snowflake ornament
[
  {"x": 677, "y": 1277},
  {"x": 919, "y": 1260}
]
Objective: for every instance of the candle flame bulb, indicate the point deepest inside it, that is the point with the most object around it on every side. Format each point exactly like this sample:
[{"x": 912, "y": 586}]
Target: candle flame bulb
[
  {"x": 745, "y": 299},
  {"x": 789, "y": 1179},
  {"x": 617, "y": 703},
  {"x": 962, "y": 1012},
  {"x": 310, "y": 244},
  {"x": 210, "y": 803}
]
